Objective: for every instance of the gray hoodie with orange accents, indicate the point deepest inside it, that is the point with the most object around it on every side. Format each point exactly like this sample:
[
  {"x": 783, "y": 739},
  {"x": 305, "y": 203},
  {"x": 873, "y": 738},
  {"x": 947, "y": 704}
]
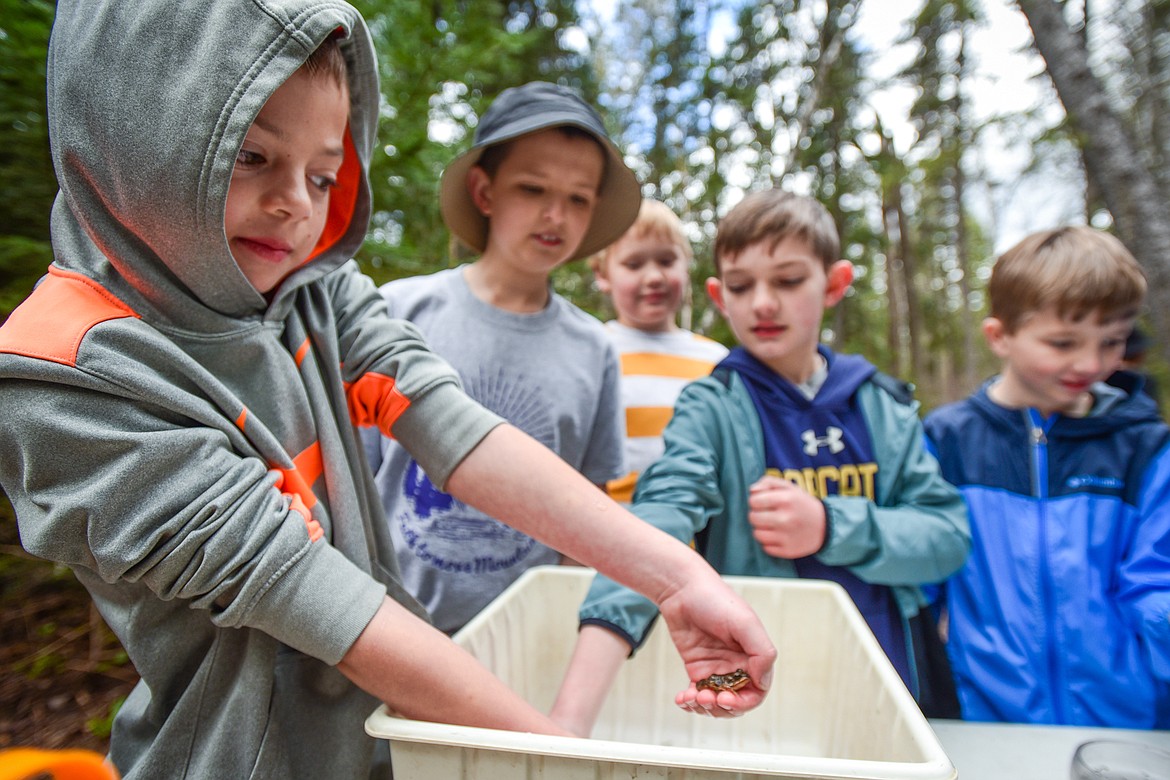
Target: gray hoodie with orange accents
[{"x": 184, "y": 444}]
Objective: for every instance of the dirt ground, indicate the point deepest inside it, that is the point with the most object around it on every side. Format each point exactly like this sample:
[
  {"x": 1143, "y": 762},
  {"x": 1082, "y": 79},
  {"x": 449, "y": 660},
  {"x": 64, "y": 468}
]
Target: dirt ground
[{"x": 62, "y": 672}]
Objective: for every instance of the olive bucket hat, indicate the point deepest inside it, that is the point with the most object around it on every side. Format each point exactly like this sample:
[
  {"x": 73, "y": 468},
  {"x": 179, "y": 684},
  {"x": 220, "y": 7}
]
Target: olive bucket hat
[{"x": 526, "y": 109}]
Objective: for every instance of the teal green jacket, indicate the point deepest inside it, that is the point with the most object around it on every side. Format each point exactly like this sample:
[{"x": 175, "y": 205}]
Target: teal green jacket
[{"x": 914, "y": 533}]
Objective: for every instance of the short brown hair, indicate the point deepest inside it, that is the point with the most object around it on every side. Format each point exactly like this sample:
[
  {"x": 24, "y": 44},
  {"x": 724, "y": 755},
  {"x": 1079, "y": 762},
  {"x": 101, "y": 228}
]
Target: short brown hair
[
  {"x": 1075, "y": 270},
  {"x": 327, "y": 60},
  {"x": 654, "y": 219},
  {"x": 773, "y": 215}
]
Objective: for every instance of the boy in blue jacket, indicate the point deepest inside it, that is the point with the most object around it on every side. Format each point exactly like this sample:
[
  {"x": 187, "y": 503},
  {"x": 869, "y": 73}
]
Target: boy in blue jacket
[
  {"x": 788, "y": 461},
  {"x": 1062, "y": 613}
]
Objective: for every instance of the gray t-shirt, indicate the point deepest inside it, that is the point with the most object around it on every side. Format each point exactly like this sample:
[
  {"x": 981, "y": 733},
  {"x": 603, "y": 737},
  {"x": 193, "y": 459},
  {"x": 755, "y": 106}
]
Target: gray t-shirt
[{"x": 554, "y": 375}]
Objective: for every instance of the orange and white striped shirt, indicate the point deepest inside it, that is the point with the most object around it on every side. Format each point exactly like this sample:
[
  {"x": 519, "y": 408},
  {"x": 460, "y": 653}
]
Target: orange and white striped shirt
[{"x": 655, "y": 368}]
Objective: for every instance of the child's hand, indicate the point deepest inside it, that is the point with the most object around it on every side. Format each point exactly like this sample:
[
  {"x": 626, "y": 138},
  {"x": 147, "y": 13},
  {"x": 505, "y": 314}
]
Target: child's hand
[
  {"x": 786, "y": 521},
  {"x": 721, "y": 704},
  {"x": 716, "y": 632},
  {"x": 725, "y": 700}
]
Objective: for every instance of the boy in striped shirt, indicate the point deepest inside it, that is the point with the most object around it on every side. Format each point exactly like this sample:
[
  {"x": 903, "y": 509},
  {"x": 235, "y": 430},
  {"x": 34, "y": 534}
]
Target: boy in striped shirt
[{"x": 646, "y": 273}]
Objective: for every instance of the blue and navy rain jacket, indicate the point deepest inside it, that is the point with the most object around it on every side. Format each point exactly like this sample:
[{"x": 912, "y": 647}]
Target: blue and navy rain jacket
[{"x": 1062, "y": 612}]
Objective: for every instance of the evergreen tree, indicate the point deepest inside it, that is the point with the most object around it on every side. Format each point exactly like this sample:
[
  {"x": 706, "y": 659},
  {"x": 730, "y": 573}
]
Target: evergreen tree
[
  {"x": 27, "y": 183},
  {"x": 440, "y": 65},
  {"x": 946, "y": 341}
]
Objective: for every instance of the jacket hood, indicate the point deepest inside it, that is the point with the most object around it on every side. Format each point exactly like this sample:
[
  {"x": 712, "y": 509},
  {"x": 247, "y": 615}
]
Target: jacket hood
[
  {"x": 846, "y": 373},
  {"x": 145, "y": 127}
]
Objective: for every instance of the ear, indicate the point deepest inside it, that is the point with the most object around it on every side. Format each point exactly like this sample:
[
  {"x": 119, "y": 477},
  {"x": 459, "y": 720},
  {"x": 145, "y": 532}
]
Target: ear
[
  {"x": 997, "y": 336},
  {"x": 600, "y": 272},
  {"x": 839, "y": 277},
  {"x": 479, "y": 187},
  {"x": 715, "y": 293}
]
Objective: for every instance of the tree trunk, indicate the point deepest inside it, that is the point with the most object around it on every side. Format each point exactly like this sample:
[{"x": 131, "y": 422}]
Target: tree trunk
[
  {"x": 968, "y": 379},
  {"x": 891, "y": 174},
  {"x": 1141, "y": 211},
  {"x": 910, "y": 278},
  {"x": 832, "y": 41},
  {"x": 894, "y": 287}
]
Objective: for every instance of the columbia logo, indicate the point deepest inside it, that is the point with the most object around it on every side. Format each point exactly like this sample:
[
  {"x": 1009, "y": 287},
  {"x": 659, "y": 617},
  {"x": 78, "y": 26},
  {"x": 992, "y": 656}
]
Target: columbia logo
[
  {"x": 831, "y": 439},
  {"x": 1091, "y": 481}
]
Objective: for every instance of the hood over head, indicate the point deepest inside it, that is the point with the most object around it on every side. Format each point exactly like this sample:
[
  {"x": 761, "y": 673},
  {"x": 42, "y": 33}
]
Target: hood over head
[{"x": 149, "y": 103}]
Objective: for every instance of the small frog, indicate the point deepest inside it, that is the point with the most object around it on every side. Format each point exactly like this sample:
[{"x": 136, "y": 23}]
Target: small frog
[{"x": 725, "y": 682}]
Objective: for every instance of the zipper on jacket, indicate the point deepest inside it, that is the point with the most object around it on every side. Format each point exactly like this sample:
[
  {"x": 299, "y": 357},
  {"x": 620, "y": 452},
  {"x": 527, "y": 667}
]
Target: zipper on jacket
[{"x": 1038, "y": 433}]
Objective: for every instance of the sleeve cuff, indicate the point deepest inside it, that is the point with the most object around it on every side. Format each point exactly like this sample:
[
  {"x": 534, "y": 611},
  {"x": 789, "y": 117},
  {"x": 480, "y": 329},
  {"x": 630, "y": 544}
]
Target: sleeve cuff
[
  {"x": 614, "y": 629},
  {"x": 441, "y": 427},
  {"x": 623, "y": 611},
  {"x": 319, "y": 604}
]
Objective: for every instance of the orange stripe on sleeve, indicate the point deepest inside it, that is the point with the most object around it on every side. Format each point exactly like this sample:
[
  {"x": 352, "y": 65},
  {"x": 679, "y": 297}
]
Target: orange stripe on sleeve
[
  {"x": 243, "y": 418},
  {"x": 54, "y": 319},
  {"x": 374, "y": 400}
]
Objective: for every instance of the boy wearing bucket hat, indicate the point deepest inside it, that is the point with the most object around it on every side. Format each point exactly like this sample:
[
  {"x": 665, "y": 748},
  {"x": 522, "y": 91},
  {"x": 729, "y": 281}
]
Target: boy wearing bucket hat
[{"x": 541, "y": 186}]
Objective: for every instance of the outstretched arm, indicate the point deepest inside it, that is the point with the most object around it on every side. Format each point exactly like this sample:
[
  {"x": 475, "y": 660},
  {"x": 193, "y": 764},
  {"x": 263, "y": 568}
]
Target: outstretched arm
[
  {"x": 597, "y": 658},
  {"x": 512, "y": 477},
  {"x": 421, "y": 674}
]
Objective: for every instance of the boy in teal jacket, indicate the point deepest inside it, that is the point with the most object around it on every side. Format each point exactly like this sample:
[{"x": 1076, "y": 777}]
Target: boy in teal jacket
[{"x": 788, "y": 461}]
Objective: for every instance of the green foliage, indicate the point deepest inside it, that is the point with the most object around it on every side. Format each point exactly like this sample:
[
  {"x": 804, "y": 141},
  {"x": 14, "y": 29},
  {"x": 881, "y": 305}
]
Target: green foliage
[
  {"x": 785, "y": 99},
  {"x": 101, "y": 727},
  {"x": 43, "y": 665},
  {"x": 27, "y": 184},
  {"x": 441, "y": 64},
  {"x": 22, "y": 261},
  {"x": 796, "y": 89}
]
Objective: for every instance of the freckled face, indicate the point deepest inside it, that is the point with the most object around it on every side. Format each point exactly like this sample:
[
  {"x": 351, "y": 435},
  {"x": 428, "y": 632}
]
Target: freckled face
[
  {"x": 540, "y": 201},
  {"x": 278, "y": 200},
  {"x": 774, "y": 299},
  {"x": 1049, "y": 362},
  {"x": 647, "y": 277}
]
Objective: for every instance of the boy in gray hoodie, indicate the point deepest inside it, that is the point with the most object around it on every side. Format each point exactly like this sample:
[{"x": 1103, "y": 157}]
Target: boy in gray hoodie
[{"x": 181, "y": 395}]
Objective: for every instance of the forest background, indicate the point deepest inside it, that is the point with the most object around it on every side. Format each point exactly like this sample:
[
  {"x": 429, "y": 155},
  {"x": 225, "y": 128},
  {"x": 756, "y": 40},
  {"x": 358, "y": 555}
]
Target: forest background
[{"x": 709, "y": 99}]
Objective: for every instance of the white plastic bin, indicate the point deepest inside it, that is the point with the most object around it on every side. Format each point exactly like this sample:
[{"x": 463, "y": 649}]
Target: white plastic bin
[{"x": 837, "y": 708}]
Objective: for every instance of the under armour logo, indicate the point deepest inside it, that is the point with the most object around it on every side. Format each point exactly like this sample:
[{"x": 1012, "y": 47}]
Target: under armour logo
[{"x": 831, "y": 439}]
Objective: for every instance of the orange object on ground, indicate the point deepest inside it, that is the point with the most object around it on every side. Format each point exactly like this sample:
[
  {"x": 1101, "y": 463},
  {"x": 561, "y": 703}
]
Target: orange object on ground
[{"x": 23, "y": 763}]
